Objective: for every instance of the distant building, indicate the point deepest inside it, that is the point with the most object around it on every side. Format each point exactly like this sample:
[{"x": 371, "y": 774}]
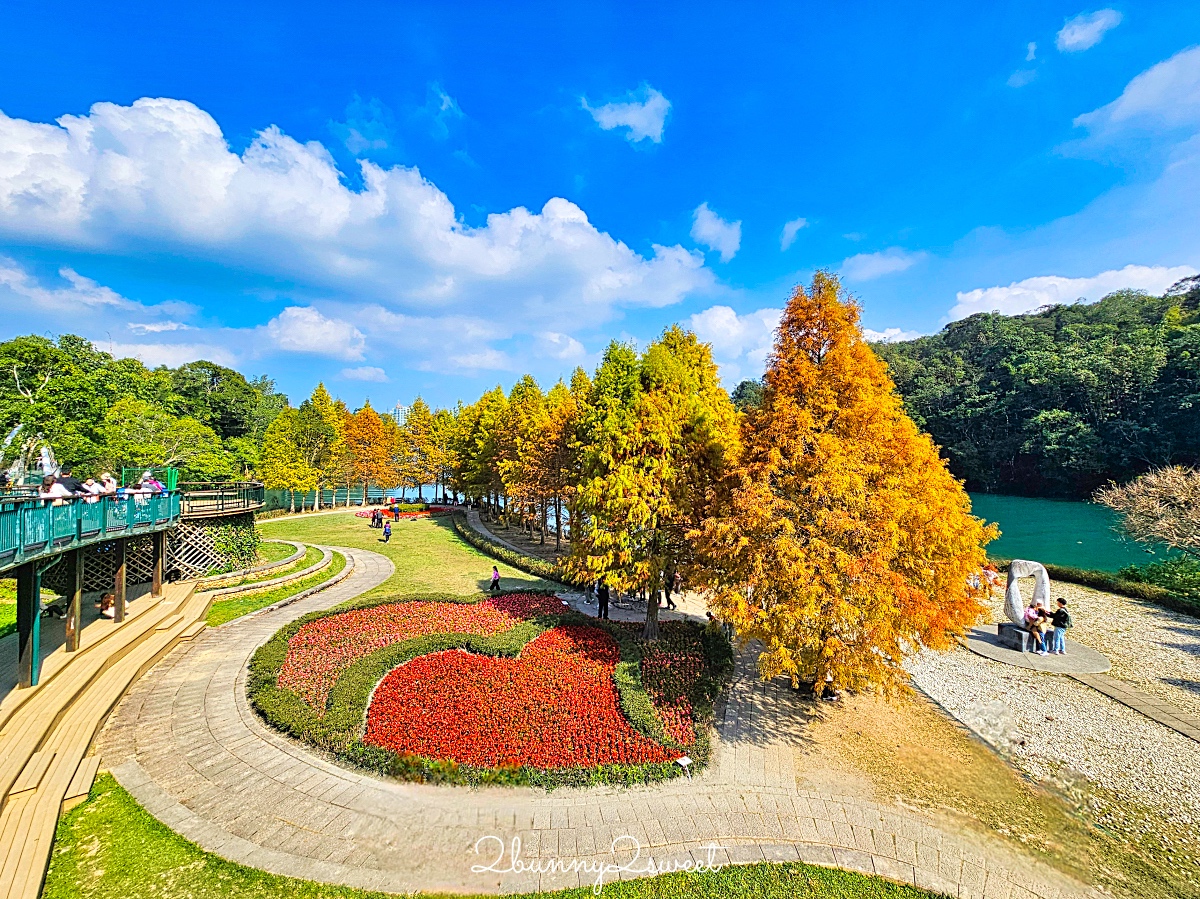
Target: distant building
[{"x": 399, "y": 414}]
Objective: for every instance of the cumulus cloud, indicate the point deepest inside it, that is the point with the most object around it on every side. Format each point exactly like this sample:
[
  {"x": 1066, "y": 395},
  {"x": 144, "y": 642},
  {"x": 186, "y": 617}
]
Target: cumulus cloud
[
  {"x": 561, "y": 346},
  {"x": 1165, "y": 97},
  {"x": 160, "y": 174},
  {"x": 1031, "y": 52},
  {"x": 1086, "y": 30},
  {"x": 153, "y": 355},
  {"x": 712, "y": 231},
  {"x": 741, "y": 343},
  {"x": 644, "y": 113},
  {"x": 302, "y": 329},
  {"x": 889, "y": 335},
  {"x": 1048, "y": 290},
  {"x": 868, "y": 266},
  {"x": 364, "y": 373},
  {"x": 790, "y": 230}
]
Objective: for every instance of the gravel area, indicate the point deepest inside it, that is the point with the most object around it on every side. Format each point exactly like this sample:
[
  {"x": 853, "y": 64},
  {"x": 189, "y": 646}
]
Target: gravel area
[{"x": 1151, "y": 648}]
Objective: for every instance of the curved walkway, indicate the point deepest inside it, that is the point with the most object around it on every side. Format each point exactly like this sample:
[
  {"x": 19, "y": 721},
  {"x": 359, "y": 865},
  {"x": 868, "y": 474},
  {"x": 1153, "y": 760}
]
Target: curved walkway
[{"x": 201, "y": 761}]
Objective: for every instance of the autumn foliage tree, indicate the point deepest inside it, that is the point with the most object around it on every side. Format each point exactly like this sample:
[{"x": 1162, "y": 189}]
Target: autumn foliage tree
[
  {"x": 842, "y": 542},
  {"x": 371, "y": 443}
]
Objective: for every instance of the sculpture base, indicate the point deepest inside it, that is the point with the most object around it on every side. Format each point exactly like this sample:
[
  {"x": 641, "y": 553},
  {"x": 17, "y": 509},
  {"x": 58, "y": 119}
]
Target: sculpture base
[{"x": 1015, "y": 637}]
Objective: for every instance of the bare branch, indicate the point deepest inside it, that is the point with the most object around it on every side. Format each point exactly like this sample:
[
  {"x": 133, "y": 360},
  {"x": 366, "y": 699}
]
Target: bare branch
[{"x": 1161, "y": 506}]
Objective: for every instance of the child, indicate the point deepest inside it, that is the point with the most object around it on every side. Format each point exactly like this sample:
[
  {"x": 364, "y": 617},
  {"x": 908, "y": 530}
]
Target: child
[
  {"x": 387, "y": 531},
  {"x": 495, "y": 588}
]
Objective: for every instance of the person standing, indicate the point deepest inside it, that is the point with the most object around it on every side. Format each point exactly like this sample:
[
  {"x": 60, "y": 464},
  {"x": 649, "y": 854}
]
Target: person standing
[
  {"x": 387, "y": 531},
  {"x": 1061, "y": 621},
  {"x": 70, "y": 483},
  {"x": 602, "y": 600},
  {"x": 495, "y": 588}
]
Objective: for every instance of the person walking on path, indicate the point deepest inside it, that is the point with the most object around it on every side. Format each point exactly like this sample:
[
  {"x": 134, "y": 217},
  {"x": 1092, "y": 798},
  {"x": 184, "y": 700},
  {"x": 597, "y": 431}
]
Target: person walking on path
[
  {"x": 602, "y": 600},
  {"x": 1061, "y": 621},
  {"x": 495, "y": 588},
  {"x": 387, "y": 531}
]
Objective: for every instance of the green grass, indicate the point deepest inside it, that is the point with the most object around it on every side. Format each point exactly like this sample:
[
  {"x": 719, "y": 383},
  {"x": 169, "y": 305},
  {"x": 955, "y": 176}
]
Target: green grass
[
  {"x": 225, "y": 610},
  {"x": 273, "y": 552},
  {"x": 8, "y": 617},
  {"x": 311, "y": 557},
  {"x": 110, "y": 848},
  {"x": 428, "y": 555}
]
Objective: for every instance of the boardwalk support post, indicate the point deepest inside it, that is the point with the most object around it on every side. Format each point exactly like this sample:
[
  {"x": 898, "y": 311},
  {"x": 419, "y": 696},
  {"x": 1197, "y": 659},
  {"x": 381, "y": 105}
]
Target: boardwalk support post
[
  {"x": 119, "y": 581},
  {"x": 29, "y": 625},
  {"x": 74, "y": 598},
  {"x": 156, "y": 574}
]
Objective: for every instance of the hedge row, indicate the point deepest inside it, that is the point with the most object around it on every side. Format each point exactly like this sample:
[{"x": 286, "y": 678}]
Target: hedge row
[
  {"x": 341, "y": 728},
  {"x": 1114, "y": 583},
  {"x": 537, "y": 567}
]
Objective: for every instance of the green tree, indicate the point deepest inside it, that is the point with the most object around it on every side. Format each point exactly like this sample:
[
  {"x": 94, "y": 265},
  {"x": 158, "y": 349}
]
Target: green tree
[
  {"x": 282, "y": 464},
  {"x": 137, "y": 433}
]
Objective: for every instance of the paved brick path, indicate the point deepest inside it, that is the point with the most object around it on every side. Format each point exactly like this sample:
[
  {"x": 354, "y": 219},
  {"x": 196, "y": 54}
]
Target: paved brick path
[
  {"x": 196, "y": 756},
  {"x": 1149, "y": 705}
]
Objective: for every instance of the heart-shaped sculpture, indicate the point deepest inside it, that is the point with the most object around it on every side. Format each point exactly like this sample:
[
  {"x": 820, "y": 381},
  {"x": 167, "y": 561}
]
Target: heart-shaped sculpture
[{"x": 553, "y": 706}]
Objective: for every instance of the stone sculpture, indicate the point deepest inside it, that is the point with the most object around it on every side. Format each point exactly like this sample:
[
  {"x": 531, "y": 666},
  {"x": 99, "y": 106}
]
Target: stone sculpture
[{"x": 1014, "y": 606}]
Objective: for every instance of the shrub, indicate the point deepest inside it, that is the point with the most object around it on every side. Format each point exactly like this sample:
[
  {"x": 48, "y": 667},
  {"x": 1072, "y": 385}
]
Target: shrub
[
  {"x": 1179, "y": 576},
  {"x": 340, "y": 728}
]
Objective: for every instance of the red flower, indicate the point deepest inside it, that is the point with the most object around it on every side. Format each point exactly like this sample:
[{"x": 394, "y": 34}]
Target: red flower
[{"x": 554, "y": 706}]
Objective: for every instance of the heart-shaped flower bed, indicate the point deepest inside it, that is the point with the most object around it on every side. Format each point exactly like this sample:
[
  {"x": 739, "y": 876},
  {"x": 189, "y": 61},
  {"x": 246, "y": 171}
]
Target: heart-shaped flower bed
[
  {"x": 554, "y": 706},
  {"x": 515, "y": 688}
]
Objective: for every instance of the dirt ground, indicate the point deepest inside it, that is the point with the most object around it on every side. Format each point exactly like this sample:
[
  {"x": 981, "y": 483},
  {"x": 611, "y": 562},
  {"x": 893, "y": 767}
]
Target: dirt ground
[{"x": 907, "y": 750}]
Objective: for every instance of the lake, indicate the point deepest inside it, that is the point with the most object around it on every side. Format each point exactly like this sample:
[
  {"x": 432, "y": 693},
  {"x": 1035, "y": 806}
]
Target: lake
[{"x": 1058, "y": 532}]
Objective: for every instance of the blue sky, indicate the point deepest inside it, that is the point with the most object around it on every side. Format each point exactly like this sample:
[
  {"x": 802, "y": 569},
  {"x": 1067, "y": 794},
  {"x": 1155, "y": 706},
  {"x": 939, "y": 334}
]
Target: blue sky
[{"x": 404, "y": 198}]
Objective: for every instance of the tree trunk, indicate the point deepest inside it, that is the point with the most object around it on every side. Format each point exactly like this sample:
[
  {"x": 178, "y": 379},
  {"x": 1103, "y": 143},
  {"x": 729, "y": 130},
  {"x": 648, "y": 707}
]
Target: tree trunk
[
  {"x": 545, "y": 516},
  {"x": 317, "y": 500},
  {"x": 364, "y": 494},
  {"x": 291, "y": 502},
  {"x": 650, "y": 631},
  {"x": 557, "y": 523}
]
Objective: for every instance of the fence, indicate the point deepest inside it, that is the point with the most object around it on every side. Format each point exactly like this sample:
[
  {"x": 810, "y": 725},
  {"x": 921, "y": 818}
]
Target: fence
[{"x": 209, "y": 499}]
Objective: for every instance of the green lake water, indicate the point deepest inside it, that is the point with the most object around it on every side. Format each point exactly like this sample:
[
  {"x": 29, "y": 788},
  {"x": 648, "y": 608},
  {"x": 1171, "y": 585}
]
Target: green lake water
[{"x": 1057, "y": 532}]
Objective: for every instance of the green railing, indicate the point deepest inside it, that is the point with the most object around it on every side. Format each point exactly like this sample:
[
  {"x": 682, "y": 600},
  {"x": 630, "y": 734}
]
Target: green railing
[
  {"x": 210, "y": 499},
  {"x": 36, "y": 528},
  {"x": 169, "y": 477}
]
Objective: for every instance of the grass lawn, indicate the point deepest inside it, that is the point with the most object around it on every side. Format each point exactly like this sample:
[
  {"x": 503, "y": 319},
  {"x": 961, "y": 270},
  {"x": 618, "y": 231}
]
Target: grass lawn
[
  {"x": 311, "y": 557},
  {"x": 110, "y": 848},
  {"x": 224, "y": 610},
  {"x": 273, "y": 552},
  {"x": 429, "y": 556},
  {"x": 8, "y": 617}
]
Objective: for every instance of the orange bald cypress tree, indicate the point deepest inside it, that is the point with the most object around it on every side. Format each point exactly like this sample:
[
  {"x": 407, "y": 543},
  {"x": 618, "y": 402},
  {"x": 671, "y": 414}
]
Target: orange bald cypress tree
[{"x": 844, "y": 542}]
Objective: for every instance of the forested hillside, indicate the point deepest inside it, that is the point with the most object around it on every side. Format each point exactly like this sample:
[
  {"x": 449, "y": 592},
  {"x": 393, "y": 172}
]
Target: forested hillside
[
  {"x": 1060, "y": 401},
  {"x": 97, "y": 411}
]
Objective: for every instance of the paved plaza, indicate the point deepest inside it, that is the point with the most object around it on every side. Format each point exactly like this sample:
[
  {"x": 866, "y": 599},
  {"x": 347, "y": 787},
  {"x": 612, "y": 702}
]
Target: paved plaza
[{"x": 187, "y": 745}]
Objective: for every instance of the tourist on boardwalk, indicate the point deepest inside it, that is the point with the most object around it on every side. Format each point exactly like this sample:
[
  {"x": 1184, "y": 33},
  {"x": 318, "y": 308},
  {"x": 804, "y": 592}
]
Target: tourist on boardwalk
[
  {"x": 495, "y": 588},
  {"x": 53, "y": 490},
  {"x": 387, "y": 531},
  {"x": 1061, "y": 621},
  {"x": 108, "y": 484},
  {"x": 602, "y": 600},
  {"x": 69, "y": 482}
]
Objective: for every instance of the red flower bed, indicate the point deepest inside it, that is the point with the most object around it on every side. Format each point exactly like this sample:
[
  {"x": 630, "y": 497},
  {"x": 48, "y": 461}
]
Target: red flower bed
[
  {"x": 554, "y": 706},
  {"x": 321, "y": 650}
]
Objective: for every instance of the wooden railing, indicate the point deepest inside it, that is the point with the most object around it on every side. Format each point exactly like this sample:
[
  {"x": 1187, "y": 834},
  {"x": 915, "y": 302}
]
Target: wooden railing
[
  {"x": 35, "y": 528},
  {"x": 211, "y": 499}
]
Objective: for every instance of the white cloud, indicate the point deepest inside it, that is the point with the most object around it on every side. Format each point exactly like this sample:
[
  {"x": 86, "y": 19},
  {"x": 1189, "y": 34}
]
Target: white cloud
[
  {"x": 561, "y": 346},
  {"x": 714, "y": 232},
  {"x": 365, "y": 373},
  {"x": 889, "y": 335},
  {"x": 644, "y": 113},
  {"x": 158, "y": 327},
  {"x": 790, "y": 230},
  {"x": 302, "y": 329},
  {"x": 1031, "y": 52},
  {"x": 1086, "y": 30},
  {"x": 153, "y": 355},
  {"x": 868, "y": 266},
  {"x": 1033, "y": 293},
  {"x": 159, "y": 174},
  {"x": 369, "y": 125},
  {"x": 1021, "y": 77},
  {"x": 1164, "y": 97},
  {"x": 741, "y": 343}
]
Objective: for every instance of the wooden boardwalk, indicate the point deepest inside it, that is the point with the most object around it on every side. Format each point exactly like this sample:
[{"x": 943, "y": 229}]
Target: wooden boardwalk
[{"x": 46, "y": 731}]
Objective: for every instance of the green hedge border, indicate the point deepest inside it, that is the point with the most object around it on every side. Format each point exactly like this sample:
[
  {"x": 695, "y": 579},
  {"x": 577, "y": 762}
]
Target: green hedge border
[
  {"x": 1112, "y": 583},
  {"x": 340, "y": 731},
  {"x": 537, "y": 567}
]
